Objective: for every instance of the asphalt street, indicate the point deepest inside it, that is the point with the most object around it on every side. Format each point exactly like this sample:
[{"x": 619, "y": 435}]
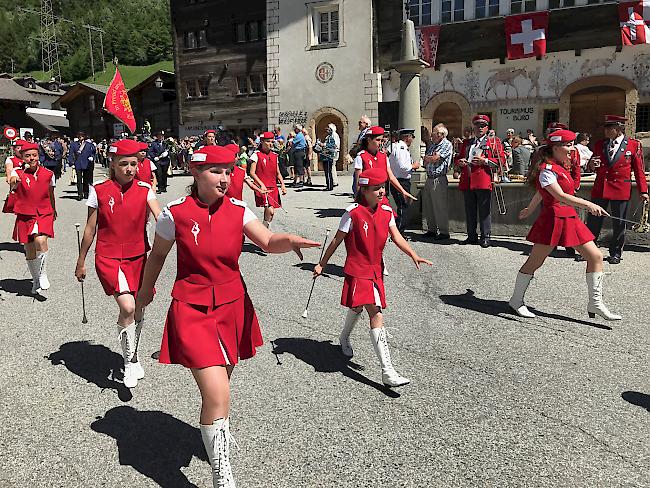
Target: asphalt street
[{"x": 557, "y": 401}]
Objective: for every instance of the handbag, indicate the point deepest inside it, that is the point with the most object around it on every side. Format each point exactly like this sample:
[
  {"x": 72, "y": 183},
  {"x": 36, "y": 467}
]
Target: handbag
[{"x": 318, "y": 147}]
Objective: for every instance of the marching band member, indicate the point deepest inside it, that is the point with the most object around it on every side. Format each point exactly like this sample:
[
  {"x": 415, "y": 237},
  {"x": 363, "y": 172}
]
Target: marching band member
[
  {"x": 12, "y": 162},
  {"x": 209, "y": 138},
  {"x": 210, "y": 324},
  {"x": 475, "y": 160},
  {"x": 266, "y": 174},
  {"x": 558, "y": 223},
  {"x": 118, "y": 210},
  {"x": 146, "y": 170},
  {"x": 35, "y": 211},
  {"x": 365, "y": 227},
  {"x": 621, "y": 156},
  {"x": 238, "y": 177}
]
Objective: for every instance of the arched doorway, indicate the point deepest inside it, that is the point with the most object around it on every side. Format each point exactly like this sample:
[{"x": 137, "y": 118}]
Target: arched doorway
[
  {"x": 318, "y": 128},
  {"x": 589, "y": 106},
  {"x": 449, "y": 113}
]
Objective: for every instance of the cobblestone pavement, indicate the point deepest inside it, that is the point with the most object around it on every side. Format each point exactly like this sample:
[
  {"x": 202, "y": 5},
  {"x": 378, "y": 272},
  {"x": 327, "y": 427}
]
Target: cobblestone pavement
[{"x": 560, "y": 400}]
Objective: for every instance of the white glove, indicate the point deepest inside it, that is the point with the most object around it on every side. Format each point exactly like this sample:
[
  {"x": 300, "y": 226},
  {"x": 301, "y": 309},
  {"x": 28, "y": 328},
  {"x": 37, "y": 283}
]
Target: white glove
[
  {"x": 156, "y": 158},
  {"x": 164, "y": 155},
  {"x": 91, "y": 158}
]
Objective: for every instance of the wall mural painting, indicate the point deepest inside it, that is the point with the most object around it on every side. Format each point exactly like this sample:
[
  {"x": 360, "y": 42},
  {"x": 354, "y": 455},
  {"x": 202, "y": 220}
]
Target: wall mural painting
[
  {"x": 471, "y": 85},
  {"x": 557, "y": 77},
  {"x": 642, "y": 71},
  {"x": 533, "y": 76},
  {"x": 503, "y": 77},
  {"x": 594, "y": 66}
]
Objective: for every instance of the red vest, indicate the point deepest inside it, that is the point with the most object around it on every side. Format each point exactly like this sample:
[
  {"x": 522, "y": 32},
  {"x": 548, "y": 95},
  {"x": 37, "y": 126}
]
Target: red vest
[
  {"x": 143, "y": 172},
  {"x": 549, "y": 202},
  {"x": 379, "y": 160},
  {"x": 473, "y": 176},
  {"x": 121, "y": 219},
  {"x": 365, "y": 242},
  {"x": 236, "y": 188},
  {"x": 16, "y": 163},
  {"x": 613, "y": 177},
  {"x": 267, "y": 168},
  {"x": 575, "y": 167},
  {"x": 208, "y": 242},
  {"x": 33, "y": 192}
]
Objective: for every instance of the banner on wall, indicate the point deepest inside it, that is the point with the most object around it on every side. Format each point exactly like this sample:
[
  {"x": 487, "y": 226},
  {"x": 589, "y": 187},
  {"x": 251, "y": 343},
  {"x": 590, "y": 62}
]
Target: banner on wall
[
  {"x": 634, "y": 18},
  {"x": 428, "y": 38},
  {"x": 526, "y": 35}
]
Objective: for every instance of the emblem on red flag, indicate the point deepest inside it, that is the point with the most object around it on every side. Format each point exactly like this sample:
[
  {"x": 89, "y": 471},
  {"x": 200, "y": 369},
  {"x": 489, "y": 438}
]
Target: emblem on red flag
[
  {"x": 428, "y": 38},
  {"x": 634, "y": 18},
  {"x": 117, "y": 102},
  {"x": 526, "y": 35}
]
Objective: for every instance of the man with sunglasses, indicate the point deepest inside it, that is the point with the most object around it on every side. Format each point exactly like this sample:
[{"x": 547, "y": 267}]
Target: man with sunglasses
[{"x": 477, "y": 161}]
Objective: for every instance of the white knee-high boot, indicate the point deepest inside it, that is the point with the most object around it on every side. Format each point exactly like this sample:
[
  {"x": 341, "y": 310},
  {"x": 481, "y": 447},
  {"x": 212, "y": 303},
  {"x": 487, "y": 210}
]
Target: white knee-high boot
[
  {"x": 32, "y": 265},
  {"x": 596, "y": 305},
  {"x": 517, "y": 300},
  {"x": 216, "y": 439},
  {"x": 42, "y": 276},
  {"x": 351, "y": 320},
  {"x": 389, "y": 376},
  {"x": 135, "y": 361},
  {"x": 126, "y": 336}
]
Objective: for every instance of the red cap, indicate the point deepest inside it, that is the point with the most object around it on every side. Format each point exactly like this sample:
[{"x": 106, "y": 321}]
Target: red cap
[
  {"x": 561, "y": 136},
  {"x": 267, "y": 135},
  {"x": 125, "y": 147},
  {"x": 211, "y": 131},
  {"x": 212, "y": 155},
  {"x": 375, "y": 131},
  {"x": 232, "y": 147},
  {"x": 372, "y": 177},
  {"x": 28, "y": 146},
  {"x": 144, "y": 146},
  {"x": 20, "y": 142},
  {"x": 481, "y": 118},
  {"x": 557, "y": 125},
  {"x": 614, "y": 120}
]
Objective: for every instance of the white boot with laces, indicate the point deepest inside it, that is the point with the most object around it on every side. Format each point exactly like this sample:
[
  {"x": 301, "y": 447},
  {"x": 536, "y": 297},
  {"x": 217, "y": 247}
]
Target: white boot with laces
[
  {"x": 389, "y": 376},
  {"x": 351, "y": 320},
  {"x": 42, "y": 271},
  {"x": 137, "y": 366},
  {"x": 126, "y": 336},
  {"x": 517, "y": 300},
  {"x": 216, "y": 439}
]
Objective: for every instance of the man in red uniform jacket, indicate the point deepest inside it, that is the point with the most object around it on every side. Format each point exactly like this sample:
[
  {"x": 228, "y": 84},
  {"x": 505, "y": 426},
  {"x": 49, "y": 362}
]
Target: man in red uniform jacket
[
  {"x": 614, "y": 159},
  {"x": 478, "y": 161}
]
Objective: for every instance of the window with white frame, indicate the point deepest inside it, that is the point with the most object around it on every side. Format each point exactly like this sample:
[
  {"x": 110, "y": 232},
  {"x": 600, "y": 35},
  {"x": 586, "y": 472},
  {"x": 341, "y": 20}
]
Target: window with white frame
[
  {"x": 519, "y": 6},
  {"x": 486, "y": 8},
  {"x": 420, "y": 12},
  {"x": 561, "y": 3},
  {"x": 325, "y": 28},
  {"x": 242, "y": 85},
  {"x": 328, "y": 27},
  {"x": 452, "y": 11}
]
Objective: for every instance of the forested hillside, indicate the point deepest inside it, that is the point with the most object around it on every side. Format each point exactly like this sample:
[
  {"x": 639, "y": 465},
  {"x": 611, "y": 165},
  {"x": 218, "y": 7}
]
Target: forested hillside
[{"x": 136, "y": 31}]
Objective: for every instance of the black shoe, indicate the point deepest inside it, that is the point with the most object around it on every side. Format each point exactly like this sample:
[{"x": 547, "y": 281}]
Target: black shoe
[
  {"x": 441, "y": 237},
  {"x": 485, "y": 242},
  {"x": 431, "y": 235},
  {"x": 79, "y": 198},
  {"x": 470, "y": 240},
  {"x": 579, "y": 258},
  {"x": 308, "y": 182},
  {"x": 570, "y": 252},
  {"x": 158, "y": 192},
  {"x": 299, "y": 185},
  {"x": 615, "y": 259}
]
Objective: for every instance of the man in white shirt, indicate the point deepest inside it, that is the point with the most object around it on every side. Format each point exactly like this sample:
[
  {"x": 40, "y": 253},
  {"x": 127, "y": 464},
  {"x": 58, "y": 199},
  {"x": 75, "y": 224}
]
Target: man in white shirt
[{"x": 402, "y": 165}]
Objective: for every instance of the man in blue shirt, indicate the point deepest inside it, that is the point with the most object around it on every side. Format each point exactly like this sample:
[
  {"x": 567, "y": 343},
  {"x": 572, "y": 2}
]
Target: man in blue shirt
[
  {"x": 299, "y": 153},
  {"x": 51, "y": 154},
  {"x": 434, "y": 194},
  {"x": 82, "y": 157},
  {"x": 159, "y": 154}
]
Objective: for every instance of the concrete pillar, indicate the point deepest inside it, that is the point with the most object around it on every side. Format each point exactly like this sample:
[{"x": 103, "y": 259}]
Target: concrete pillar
[{"x": 409, "y": 67}]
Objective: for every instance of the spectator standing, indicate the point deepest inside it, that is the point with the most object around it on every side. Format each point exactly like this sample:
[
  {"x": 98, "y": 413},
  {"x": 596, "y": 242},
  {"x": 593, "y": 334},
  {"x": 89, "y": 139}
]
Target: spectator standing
[
  {"x": 434, "y": 196},
  {"x": 582, "y": 143},
  {"x": 329, "y": 156},
  {"x": 402, "y": 165},
  {"x": 520, "y": 157},
  {"x": 159, "y": 154},
  {"x": 507, "y": 146},
  {"x": 299, "y": 153},
  {"x": 309, "y": 151},
  {"x": 82, "y": 156},
  {"x": 278, "y": 135},
  {"x": 532, "y": 138},
  {"x": 51, "y": 154}
]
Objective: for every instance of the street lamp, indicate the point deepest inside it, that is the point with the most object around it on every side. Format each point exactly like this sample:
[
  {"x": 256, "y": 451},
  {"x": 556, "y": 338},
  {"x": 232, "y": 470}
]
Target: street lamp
[{"x": 159, "y": 83}]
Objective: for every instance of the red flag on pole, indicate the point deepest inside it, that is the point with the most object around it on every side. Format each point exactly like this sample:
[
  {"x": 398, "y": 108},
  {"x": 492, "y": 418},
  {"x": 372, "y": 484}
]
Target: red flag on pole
[
  {"x": 117, "y": 102},
  {"x": 526, "y": 35},
  {"x": 428, "y": 38},
  {"x": 634, "y": 18}
]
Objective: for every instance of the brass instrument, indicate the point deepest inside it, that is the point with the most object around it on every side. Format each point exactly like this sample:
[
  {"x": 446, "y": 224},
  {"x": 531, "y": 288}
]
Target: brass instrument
[
  {"x": 498, "y": 190},
  {"x": 643, "y": 227}
]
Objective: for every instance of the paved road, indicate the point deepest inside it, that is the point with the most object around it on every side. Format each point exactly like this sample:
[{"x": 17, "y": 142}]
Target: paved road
[{"x": 560, "y": 400}]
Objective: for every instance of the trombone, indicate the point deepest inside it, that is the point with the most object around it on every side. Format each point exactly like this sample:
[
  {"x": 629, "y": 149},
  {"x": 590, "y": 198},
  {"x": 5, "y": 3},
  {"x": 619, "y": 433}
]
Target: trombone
[{"x": 498, "y": 190}]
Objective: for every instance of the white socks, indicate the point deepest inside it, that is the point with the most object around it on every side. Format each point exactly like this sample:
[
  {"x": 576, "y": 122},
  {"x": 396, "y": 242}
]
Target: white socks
[
  {"x": 517, "y": 300},
  {"x": 126, "y": 336}
]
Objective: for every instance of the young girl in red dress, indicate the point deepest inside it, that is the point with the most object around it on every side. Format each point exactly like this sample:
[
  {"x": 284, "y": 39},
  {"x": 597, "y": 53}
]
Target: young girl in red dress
[
  {"x": 558, "y": 223},
  {"x": 266, "y": 174},
  {"x": 210, "y": 324},
  {"x": 365, "y": 227},
  {"x": 35, "y": 209},
  {"x": 146, "y": 169},
  {"x": 118, "y": 211},
  {"x": 238, "y": 178},
  {"x": 12, "y": 162}
]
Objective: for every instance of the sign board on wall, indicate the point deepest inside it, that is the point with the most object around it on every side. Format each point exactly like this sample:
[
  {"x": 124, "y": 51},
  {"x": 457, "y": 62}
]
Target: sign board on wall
[
  {"x": 292, "y": 117},
  {"x": 25, "y": 130},
  {"x": 520, "y": 118}
]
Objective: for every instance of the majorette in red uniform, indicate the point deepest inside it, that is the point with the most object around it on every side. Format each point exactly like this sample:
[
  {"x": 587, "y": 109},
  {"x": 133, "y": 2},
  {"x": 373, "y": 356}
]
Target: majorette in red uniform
[
  {"x": 480, "y": 158},
  {"x": 211, "y": 323},
  {"x": 118, "y": 210},
  {"x": 372, "y": 157},
  {"x": 238, "y": 177},
  {"x": 146, "y": 169},
  {"x": 12, "y": 162},
  {"x": 365, "y": 227},
  {"x": 266, "y": 174},
  {"x": 35, "y": 210},
  {"x": 558, "y": 223},
  {"x": 618, "y": 157}
]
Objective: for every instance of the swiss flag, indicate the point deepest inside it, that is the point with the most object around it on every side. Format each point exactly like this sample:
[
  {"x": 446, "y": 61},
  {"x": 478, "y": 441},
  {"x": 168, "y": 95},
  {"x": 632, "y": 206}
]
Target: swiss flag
[
  {"x": 634, "y": 18},
  {"x": 428, "y": 38},
  {"x": 117, "y": 102},
  {"x": 526, "y": 35}
]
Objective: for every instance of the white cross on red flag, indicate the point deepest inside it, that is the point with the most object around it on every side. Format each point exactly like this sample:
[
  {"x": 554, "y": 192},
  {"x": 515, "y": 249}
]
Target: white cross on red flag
[
  {"x": 428, "y": 38},
  {"x": 526, "y": 35},
  {"x": 634, "y": 18}
]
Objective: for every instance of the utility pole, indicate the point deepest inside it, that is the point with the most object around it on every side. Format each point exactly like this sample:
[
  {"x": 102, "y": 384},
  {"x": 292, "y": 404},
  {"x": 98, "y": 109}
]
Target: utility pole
[
  {"x": 101, "y": 42},
  {"x": 49, "y": 46},
  {"x": 92, "y": 61}
]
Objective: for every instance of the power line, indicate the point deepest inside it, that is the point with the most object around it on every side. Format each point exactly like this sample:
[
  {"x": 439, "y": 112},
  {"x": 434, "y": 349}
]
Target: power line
[{"x": 49, "y": 46}]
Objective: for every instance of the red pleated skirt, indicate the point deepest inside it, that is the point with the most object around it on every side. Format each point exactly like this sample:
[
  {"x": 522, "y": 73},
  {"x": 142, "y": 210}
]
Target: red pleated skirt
[
  {"x": 29, "y": 226},
  {"x": 197, "y": 336},
  {"x": 359, "y": 291},
  {"x": 10, "y": 201},
  {"x": 271, "y": 199},
  {"x": 108, "y": 272},
  {"x": 559, "y": 231}
]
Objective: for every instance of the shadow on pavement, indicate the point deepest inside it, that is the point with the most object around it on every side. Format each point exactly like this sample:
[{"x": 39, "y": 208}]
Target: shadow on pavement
[
  {"x": 11, "y": 246},
  {"x": 95, "y": 363},
  {"x": 154, "y": 443},
  {"x": 323, "y": 213},
  {"x": 251, "y": 248},
  {"x": 326, "y": 357},
  {"x": 496, "y": 308},
  {"x": 415, "y": 236},
  {"x": 20, "y": 288},
  {"x": 637, "y": 398},
  {"x": 332, "y": 269}
]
